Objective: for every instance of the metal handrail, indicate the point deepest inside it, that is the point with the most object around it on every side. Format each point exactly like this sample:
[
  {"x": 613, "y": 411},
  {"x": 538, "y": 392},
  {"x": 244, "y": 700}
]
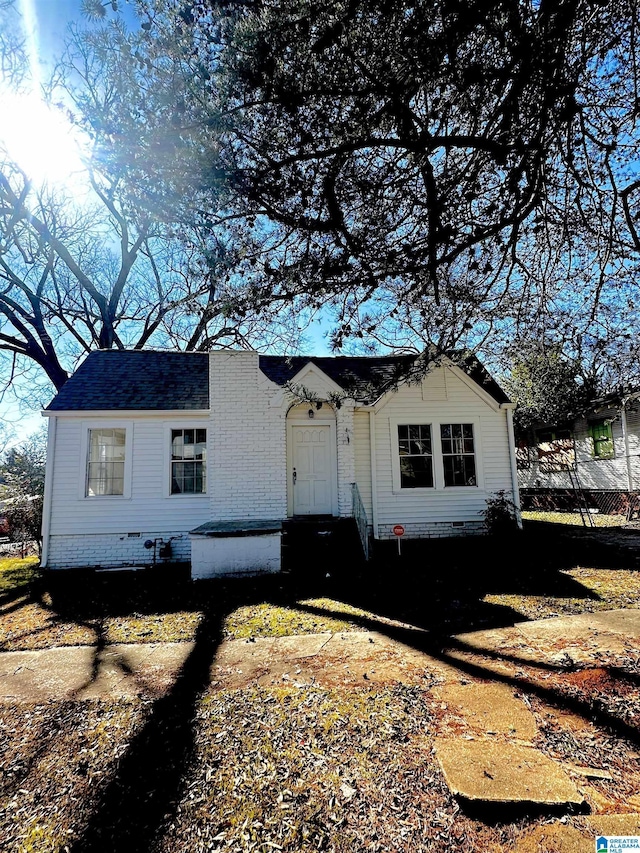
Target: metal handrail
[{"x": 360, "y": 516}]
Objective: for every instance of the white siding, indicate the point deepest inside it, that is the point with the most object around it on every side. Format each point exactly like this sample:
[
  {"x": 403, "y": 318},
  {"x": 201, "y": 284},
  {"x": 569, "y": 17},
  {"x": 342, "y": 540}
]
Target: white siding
[
  {"x": 246, "y": 473},
  {"x": 362, "y": 462},
  {"x": 96, "y": 530},
  {"x": 430, "y": 512},
  {"x": 247, "y": 465},
  {"x": 146, "y": 509},
  {"x": 633, "y": 427},
  {"x": 593, "y": 473}
]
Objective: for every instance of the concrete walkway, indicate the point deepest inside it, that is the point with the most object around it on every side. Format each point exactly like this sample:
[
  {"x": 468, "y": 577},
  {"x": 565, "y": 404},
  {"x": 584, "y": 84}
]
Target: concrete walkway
[
  {"x": 345, "y": 659},
  {"x": 485, "y": 730}
]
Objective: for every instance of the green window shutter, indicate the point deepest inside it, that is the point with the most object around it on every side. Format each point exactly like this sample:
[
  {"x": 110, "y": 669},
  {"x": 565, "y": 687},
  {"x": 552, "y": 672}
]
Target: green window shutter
[{"x": 602, "y": 437}]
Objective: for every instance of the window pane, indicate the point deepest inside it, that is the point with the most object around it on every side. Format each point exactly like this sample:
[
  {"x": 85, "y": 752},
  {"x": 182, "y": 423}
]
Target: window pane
[
  {"x": 416, "y": 472},
  {"x": 105, "y": 464},
  {"x": 188, "y": 455},
  {"x": 177, "y": 444},
  {"x": 602, "y": 436},
  {"x": 414, "y": 449},
  {"x": 458, "y": 454}
]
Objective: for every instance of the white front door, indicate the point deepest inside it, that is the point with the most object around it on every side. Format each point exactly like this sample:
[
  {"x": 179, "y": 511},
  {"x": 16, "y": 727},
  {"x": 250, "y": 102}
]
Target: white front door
[{"x": 312, "y": 472}]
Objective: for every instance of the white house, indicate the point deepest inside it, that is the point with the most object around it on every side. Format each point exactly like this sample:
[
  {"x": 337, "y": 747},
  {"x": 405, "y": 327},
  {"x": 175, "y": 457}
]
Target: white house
[
  {"x": 597, "y": 452},
  {"x": 204, "y": 456}
]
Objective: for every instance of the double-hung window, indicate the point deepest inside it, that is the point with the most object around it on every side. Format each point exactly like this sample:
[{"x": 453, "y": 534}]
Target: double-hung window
[
  {"x": 458, "y": 454},
  {"x": 416, "y": 456},
  {"x": 106, "y": 461},
  {"x": 188, "y": 461}
]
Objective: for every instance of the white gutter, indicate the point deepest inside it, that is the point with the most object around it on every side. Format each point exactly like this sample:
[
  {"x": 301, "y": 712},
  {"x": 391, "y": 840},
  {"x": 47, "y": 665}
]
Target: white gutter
[
  {"x": 374, "y": 476},
  {"x": 48, "y": 487},
  {"x": 512, "y": 458}
]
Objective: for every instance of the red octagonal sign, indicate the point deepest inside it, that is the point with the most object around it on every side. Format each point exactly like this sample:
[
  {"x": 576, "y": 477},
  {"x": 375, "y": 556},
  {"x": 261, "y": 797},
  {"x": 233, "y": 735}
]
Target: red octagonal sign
[{"x": 398, "y": 530}]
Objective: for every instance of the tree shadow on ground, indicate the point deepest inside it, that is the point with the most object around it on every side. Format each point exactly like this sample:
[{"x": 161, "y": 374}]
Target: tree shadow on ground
[
  {"x": 599, "y": 547},
  {"x": 448, "y": 650},
  {"x": 149, "y": 779},
  {"x": 437, "y": 590},
  {"x": 441, "y": 585}
]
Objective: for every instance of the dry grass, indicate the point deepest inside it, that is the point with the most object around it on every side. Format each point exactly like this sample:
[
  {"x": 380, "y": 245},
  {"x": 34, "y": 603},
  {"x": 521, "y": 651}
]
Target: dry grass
[
  {"x": 271, "y": 770},
  {"x": 574, "y": 518},
  {"x": 603, "y": 589},
  {"x": 281, "y": 769},
  {"x": 33, "y": 617},
  {"x": 285, "y": 769}
]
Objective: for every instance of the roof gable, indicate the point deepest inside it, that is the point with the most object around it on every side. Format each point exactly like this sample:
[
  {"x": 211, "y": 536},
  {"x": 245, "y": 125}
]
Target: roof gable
[{"x": 367, "y": 378}]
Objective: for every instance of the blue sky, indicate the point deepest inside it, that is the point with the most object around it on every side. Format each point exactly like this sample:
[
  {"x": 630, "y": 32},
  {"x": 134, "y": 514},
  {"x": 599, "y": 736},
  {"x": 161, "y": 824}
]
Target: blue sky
[{"x": 46, "y": 23}]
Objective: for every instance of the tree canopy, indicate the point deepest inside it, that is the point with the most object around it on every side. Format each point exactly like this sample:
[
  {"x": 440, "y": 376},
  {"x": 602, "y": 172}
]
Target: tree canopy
[
  {"x": 22, "y": 470},
  {"x": 443, "y": 167},
  {"x": 109, "y": 258},
  {"x": 432, "y": 172},
  {"x": 548, "y": 388}
]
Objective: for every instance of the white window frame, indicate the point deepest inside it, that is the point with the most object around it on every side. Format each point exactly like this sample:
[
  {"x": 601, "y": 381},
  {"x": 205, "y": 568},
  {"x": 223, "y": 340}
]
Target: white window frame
[
  {"x": 437, "y": 456},
  {"x": 167, "y": 473},
  {"x": 431, "y": 456},
  {"x": 474, "y": 434},
  {"x": 87, "y": 426}
]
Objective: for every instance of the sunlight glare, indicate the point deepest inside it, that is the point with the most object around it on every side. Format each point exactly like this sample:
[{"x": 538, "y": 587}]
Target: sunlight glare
[
  {"x": 38, "y": 138},
  {"x": 35, "y": 136}
]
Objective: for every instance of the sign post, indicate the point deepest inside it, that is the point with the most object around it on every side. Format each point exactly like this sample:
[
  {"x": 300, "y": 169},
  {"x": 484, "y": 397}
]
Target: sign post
[{"x": 398, "y": 530}]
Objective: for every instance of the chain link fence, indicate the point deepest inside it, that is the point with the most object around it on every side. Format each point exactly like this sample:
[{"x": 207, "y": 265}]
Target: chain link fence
[{"x": 606, "y": 502}]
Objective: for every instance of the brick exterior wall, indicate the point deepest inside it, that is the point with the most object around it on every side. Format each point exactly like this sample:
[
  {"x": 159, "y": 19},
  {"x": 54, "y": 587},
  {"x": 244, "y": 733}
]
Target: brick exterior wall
[
  {"x": 248, "y": 467},
  {"x": 434, "y": 530},
  {"x": 107, "y": 550}
]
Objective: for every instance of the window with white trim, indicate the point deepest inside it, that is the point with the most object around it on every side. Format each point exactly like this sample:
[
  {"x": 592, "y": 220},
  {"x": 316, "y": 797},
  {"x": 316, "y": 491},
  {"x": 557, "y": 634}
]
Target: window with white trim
[
  {"x": 106, "y": 459},
  {"x": 416, "y": 456},
  {"x": 188, "y": 461},
  {"x": 458, "y": 454}
]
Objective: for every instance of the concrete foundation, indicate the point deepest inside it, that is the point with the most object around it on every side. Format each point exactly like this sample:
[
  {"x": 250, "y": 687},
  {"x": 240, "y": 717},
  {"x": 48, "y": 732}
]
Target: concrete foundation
[{"x": 220, "y": 549}]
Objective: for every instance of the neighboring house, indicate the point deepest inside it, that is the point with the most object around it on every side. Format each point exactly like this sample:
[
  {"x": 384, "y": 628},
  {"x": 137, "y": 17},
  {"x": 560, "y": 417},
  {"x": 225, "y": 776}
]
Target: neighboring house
[
  {"x": 4, "y": 521},
  {"x": 597, "y": 452},
  {"x": 203, "y": 457}
]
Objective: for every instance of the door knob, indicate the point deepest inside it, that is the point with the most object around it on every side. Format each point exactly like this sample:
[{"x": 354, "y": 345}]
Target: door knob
[{"x": 295, "y": 476}]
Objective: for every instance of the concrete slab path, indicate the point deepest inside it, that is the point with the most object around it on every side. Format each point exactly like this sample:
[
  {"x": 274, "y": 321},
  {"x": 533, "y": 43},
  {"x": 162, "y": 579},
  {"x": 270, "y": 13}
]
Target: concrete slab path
[
  {"x": 485, "y": 731},
  {"x": 497, "y": 772},
  {"x": 347, "y": 659}
]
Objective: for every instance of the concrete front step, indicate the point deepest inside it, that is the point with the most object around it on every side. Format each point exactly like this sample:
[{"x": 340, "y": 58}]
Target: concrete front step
[{"x": 321, "y": 544}]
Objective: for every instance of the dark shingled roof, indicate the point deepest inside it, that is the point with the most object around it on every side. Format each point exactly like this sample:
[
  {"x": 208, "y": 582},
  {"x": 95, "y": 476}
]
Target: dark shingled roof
[
  {"x": 367, "y": 378},
  {"x": 143, "y": 380},
  {"x": 135, "y": 379}
]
